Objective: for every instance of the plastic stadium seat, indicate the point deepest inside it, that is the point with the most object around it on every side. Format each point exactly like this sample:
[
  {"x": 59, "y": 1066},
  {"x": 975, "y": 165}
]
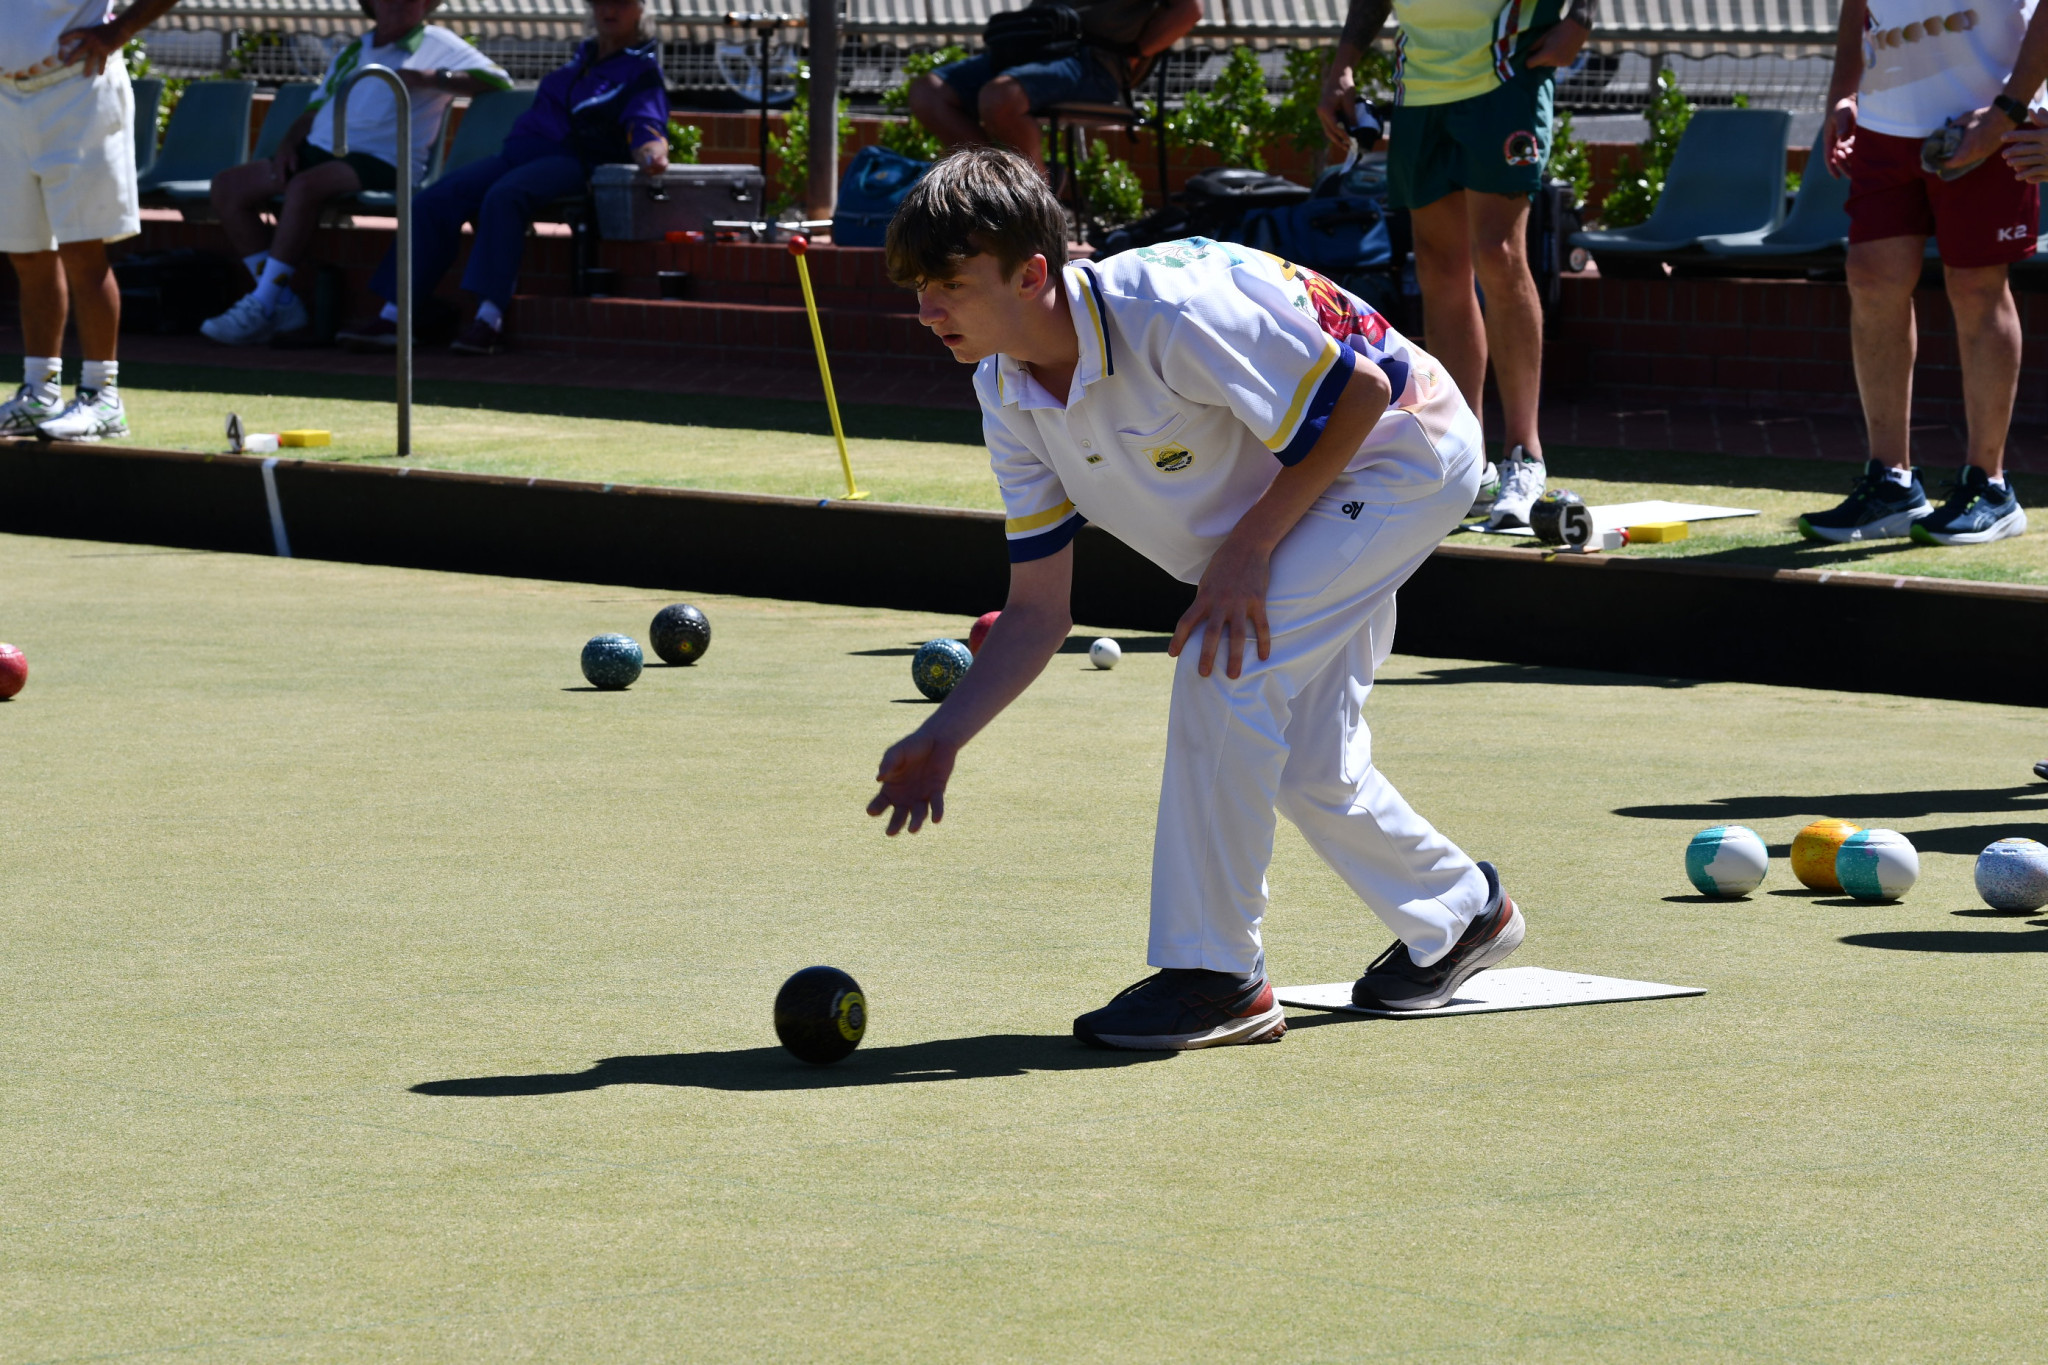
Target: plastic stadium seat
[
  {"x": 208, "y": 132},
  {"x": 1814, "y": 236},
  {"x": 149, "y": 93},
  {"x": 286, "y": 105},
  {"x": 1727, "y": 177},
  {"x": 483, "y": 128}
]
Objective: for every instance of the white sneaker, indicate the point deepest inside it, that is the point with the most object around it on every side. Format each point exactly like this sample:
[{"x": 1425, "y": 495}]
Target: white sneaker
[
  {"x": 93, "y": 415},
  {"x": 1521, "y": 483},
  {"x": 248, "y": 323},
  {"x": 23, "y": 413},
  {"x": 289, "y": 315},
  {"x": 1489, "y": 491}
]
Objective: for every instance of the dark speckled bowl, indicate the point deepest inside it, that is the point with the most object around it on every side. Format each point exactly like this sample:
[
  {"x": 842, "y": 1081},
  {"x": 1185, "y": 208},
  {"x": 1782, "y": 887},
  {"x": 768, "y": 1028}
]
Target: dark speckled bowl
[{"x": 612, "y": 662}]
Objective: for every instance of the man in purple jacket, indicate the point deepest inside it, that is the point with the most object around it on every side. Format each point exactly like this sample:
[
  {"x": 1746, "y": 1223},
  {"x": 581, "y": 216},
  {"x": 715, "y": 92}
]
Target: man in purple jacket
[{"x": 608, "y": 105}]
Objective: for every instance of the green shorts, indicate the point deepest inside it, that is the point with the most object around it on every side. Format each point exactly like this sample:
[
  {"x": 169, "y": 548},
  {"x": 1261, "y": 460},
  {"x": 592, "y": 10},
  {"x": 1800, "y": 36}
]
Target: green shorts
[
  {"x": 1496, "y": 143},
  {"x": 375, "y": 172}
]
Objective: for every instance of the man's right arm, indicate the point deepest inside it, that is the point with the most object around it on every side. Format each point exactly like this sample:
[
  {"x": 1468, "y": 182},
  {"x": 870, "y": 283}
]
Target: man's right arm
[
  {"x": 1842, "y": 86},
  {"x": 1362, "y": 25}
]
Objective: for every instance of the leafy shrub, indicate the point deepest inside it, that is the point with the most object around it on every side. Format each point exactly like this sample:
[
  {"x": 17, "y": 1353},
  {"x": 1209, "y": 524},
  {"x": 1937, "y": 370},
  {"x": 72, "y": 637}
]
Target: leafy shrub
[
  {"x": 1568, "y": 159},
  {"x": 908, "y": 137},
  {"x": 790, "y": 150},
  {"x": 1111, "y": 187},
  {"x": 1637, "y": 188},
  {"x": 685, "y": 143}
]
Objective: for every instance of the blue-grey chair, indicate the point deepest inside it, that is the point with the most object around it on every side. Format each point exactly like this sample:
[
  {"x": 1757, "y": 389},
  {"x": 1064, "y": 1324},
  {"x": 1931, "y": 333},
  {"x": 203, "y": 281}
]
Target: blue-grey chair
[
  {"x": 1815, "y": 236},
  {"x": 1727, "y": 177},
  {"x": 195, "y": 197},
  {"x": 149, "y": 94},
  {"x": 208, "y": 132}
]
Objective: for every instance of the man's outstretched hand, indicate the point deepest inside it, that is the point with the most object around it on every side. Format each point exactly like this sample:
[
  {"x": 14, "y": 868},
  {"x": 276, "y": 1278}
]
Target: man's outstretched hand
[{"x": 913, "y": 775}]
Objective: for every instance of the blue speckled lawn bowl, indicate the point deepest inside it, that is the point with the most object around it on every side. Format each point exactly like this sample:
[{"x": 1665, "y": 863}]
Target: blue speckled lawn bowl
[
  {"x": 612, "y": 663},
  {"x": 938, "y": 666}
]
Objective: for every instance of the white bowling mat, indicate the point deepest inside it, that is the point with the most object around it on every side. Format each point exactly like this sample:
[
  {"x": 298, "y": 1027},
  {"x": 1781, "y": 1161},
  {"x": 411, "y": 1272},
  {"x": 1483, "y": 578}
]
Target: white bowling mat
[
  {"x": 1508, "y": 988},
  {"x": 1618, "y": 514}
]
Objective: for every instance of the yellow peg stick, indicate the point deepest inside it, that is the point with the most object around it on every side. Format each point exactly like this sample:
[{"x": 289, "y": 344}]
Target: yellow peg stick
[{"x": 798, "y": 245}]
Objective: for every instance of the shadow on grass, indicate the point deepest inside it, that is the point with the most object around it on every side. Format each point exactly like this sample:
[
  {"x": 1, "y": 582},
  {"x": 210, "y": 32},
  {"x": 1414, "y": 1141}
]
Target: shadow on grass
[
  {"x": 1951, "y": 941},
  {"x": 770, "y": 1068},
  {"x": 630, "y": 405},
  {"x": 1533, "y": 673},
  {"x": 2024, "y": 800}
]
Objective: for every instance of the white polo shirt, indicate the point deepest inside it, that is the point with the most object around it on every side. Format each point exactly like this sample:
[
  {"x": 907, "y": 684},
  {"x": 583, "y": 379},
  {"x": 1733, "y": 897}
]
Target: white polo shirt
[
  {"x": 1924, "y": 64},
  {"x": 28, "y": 40},
  {"x": 373, "y": 113},
  {"x": 1205, "y": 367}
]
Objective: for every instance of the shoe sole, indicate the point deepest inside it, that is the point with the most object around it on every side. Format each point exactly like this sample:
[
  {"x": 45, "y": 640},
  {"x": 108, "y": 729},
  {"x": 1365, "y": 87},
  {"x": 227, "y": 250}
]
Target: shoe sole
[
  {"x": 1265, "y": 1027},
  {"x": 1496, "y": 951},
  {"x": 2005, "y": 528},
  {"x": 1893, "y": 527}
]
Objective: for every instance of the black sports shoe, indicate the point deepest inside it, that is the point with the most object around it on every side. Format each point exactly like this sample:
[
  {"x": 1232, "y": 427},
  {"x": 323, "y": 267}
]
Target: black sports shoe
[
  {"x": 1394, "y": 982},
  {"x": 1976, "y": 512},
  {"x": 1876, "y": 509},
  {"x": 1186, "y": 1007}
]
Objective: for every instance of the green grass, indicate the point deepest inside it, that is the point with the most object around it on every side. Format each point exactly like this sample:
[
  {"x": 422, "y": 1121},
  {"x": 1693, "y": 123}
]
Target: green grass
[
  {"x": 282, "y": 841},
  {"x": 935, "y": 456}
]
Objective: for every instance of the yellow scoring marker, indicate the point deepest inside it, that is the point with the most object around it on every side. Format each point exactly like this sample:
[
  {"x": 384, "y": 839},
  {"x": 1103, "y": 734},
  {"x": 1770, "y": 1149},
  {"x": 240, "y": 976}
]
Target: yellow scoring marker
[
  {"x": 798, "y": 245},
  {"x": 305, "y": 438},
  {"x": 1654, "y": 532}
]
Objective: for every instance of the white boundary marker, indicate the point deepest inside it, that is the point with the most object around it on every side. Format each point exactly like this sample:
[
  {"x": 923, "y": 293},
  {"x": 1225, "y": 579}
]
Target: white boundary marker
[
  {"x": 1508, "y": 988},
  {"x": 277, "y": 536}
]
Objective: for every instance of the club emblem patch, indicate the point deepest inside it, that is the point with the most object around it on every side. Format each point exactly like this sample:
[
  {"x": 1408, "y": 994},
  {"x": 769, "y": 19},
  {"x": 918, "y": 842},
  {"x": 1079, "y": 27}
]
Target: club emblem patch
[
  {"x": 1171, "y": 459},
  {"x": 1522, "y": 149}
]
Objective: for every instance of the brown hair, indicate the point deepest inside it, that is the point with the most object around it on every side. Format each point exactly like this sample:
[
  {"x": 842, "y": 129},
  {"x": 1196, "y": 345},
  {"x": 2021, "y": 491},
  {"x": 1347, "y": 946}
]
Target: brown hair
[{"x": 976, "y": 200}]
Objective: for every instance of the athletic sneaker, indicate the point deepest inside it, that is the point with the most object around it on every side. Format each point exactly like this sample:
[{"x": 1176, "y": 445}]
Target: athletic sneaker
[
  {"x": 1186, "y": 1007},
  {"x": 249, "y": 323},
  {"x": 1877, "y": 508},
  {"x": 23, "y": 413},
  {"x": 1394, "y": 982},
  {"x": 1522, "y": 478},
  {"x": 478, "y": 338},
  {"x": 93, "y": 415},
  {"x": 1489, "y": 489},
  {"x": 377, "y": 334},
  {"x": 1977, "y": 511}
]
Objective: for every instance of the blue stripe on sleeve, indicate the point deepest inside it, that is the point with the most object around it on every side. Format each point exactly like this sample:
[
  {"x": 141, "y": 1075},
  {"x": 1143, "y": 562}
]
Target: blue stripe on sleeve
[
  {"x": 1027, "y": 548},
  {"x": 1319, "y": 408}
]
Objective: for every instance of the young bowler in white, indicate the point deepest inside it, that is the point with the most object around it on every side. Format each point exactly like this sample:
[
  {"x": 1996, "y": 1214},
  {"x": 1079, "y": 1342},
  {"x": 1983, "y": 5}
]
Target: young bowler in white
[{"x": 1258, "y": 432}]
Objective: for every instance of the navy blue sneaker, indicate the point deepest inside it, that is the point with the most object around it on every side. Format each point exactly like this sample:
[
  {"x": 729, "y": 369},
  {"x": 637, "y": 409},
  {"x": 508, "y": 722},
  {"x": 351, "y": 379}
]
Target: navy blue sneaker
[
  {"x": 1394, "y": 982},
  {"x": 1977, "y": 511},
  {"x": 1876, "y": 509},
  {"x": 1186, "y": 1007}
]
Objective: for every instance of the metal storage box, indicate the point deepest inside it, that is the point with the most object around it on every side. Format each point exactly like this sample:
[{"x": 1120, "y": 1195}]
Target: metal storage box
[{"x": 689, "y": 199}]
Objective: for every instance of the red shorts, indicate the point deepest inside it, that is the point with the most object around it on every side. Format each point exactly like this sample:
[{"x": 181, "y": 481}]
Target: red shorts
[{"x": 1988, "y": 217}]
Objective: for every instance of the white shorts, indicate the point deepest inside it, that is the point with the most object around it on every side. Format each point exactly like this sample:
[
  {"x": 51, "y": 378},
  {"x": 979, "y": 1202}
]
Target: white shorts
[{"x": 67, "y": 162}]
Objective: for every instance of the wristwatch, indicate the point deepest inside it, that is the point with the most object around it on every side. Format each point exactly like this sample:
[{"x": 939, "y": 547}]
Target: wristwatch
[{"x": 2016, "y": 110}]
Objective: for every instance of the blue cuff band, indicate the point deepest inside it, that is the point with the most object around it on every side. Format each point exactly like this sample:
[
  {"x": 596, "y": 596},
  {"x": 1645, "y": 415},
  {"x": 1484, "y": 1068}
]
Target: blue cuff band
[
  {"x": 1046, "y": 542},
  {"x": 1319, "y": 408}
]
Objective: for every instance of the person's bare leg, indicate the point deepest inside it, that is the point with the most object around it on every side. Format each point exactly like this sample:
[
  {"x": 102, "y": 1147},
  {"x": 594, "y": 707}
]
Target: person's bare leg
[
  {"x": 1988, "y": 346},
  {"x": 1882, "y": 276},
  {"x": 95, "y": 296},
  {"x": 1006, "y": 118},
  {"x": 44, "y": 301},
  {"x": 303, "y": 200},
  {"x": 944, "y": 114},
  {"x": 1514, "y": 312},
  {"x": 1453, "y": 330},
  {"x": 240, "y": 194}
]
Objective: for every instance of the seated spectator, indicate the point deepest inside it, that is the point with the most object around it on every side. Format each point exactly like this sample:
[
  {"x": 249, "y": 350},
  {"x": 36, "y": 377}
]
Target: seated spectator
[
  {"x": 608, "y": 105},
  {"x": 435, "y": 65},
  {"x": 978, "y": 101}
]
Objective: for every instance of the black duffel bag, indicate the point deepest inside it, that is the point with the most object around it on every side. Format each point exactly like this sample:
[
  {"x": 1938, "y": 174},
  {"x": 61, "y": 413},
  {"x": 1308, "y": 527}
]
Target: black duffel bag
[{"x": 1044, "y": 31}]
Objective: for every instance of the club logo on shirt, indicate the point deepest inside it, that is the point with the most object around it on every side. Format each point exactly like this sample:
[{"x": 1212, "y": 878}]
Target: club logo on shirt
[
  {"x": 1522, "y": 149},
  {"x": 1171, "y": 459}
]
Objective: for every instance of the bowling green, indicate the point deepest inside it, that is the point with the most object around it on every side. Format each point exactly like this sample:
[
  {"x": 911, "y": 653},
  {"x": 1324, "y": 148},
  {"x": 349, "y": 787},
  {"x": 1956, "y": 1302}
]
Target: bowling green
[{"x": 376, "y": 992}]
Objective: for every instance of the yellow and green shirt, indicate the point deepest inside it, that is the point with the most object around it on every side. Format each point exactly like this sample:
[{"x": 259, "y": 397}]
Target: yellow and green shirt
[{"x": 1451, "y": 50}]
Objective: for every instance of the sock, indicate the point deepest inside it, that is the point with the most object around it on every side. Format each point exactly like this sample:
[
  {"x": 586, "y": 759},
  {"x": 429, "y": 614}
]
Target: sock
[
  {"x": 1902, "y": 477},
  {"x": 388, "y": 313},
  {"x": 99, "y": 375},
  {"x": 1998, "y": 481},
  {"x": 489, "y": 315},
  {"x": 256, "y": 263},
  {"x": 275, "y": 274},
  {"x": 44, "y": 375}
]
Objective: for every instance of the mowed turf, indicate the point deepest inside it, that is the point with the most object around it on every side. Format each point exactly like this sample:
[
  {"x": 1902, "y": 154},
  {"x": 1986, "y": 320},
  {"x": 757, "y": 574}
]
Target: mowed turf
[{"x": 375, "y": 992}]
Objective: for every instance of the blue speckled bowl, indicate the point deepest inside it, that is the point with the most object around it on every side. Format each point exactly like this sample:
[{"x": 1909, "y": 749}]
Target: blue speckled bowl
[
  {"x": 938, "y": 667},
  {"x": 612, "y": 662}
]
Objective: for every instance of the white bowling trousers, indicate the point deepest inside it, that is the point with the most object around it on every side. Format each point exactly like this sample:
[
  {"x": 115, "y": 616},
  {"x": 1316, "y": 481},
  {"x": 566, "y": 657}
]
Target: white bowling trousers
[{"x": 1290, "y": 735}]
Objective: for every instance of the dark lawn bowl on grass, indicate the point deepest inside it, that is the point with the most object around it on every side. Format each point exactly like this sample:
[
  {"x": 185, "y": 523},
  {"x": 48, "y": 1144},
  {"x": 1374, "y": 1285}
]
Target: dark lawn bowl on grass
[
  {"x": 938, "y": 666},
  {"x": 680, "y": 634},
  {"x": 612, "y": 663},
  {"x": 820, "y": 1015}
]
